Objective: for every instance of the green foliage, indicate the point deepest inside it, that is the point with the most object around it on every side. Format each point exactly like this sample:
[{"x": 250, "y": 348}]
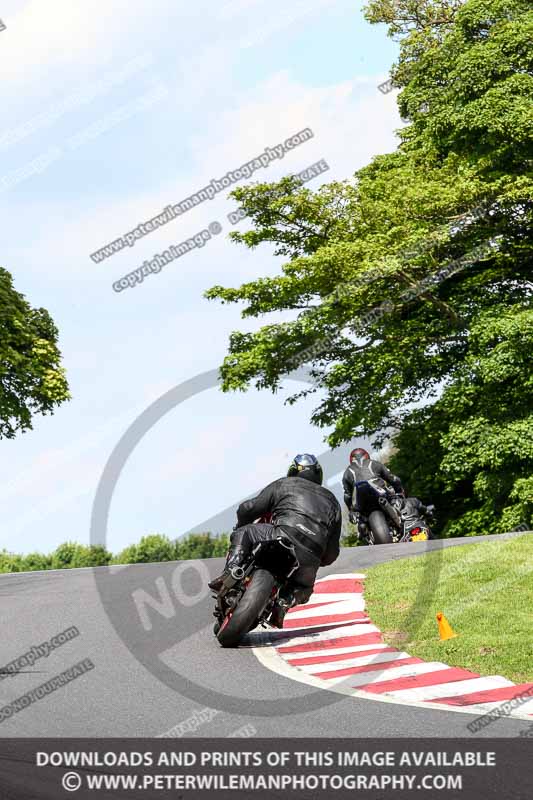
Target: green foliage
[
  {"x": 154, "y": 548},
  {"x": 472, "y": 94},
  {"x": 93, "y": 556},
  {"x": 66, "y": 556},
  {"x": 150, "y": 549},
  {"x": 410, "y": 285},
  {"x": 413, "y": 16},
  {"x": 160, "y": 548},
  {"x": 126, "y": 556},
  {"x": 35, "y": 561},
  {"x": 486, "y": 592},
  {"x": 350, "y": 537},
  {"x": 473, "y": 448},
  {"x": 202, "y": 545},
  {"x": 71, "y": 554},
  {"x": 31, "y": 378},
  {"x": 10, "y": 562}
]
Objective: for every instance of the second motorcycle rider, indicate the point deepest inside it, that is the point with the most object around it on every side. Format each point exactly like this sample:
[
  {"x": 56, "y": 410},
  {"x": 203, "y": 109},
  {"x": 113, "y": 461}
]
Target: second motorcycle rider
[{"x": 304, "y": 511}]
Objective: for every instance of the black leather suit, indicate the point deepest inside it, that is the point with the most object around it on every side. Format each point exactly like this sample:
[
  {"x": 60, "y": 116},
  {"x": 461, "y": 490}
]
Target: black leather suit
[
  {"x": 307, "y": 513},
  {"x": 367, "y": 469}
]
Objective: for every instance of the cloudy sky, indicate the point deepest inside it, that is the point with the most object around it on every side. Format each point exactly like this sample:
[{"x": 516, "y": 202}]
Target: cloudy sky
[{"x": 111, "y": 111}]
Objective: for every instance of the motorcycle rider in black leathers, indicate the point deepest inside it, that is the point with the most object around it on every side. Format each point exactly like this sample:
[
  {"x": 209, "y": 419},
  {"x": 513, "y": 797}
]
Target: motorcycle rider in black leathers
[
  {"x": 361, "y": 469},
  {"x": 304, "y": 511}
]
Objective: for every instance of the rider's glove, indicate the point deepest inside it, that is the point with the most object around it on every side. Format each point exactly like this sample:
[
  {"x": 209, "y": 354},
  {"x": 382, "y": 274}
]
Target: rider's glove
[{"x": 353, "y": 516}]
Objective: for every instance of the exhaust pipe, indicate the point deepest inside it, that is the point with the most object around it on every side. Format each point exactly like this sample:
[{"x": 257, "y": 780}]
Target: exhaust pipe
[
  {"x": 237, "y": 573},
  {"x": 391, "y": 512}
]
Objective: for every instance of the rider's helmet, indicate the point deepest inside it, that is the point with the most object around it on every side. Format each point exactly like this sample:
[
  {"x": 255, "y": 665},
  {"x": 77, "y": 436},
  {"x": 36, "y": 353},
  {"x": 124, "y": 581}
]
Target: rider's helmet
[
  {"x": 358, "y": 455},
  {"x": 305, "y": 465}
]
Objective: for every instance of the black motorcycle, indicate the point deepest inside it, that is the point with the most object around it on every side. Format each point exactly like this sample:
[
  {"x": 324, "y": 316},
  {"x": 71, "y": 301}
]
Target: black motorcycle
[
  {"x": 383, "y": 520},
  {"x": 249, "y": 593},
  {"x": 377, "y": 512},
  {"x": 415, "y": 528}
]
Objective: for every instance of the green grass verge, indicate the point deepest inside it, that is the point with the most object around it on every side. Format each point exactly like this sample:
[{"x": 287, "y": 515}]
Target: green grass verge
[{"x": 484, "y": 590}]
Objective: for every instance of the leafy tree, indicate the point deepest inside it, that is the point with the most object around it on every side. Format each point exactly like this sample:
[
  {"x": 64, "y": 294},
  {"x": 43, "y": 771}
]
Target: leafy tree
[
  {"x": 201, "y": 545},
  {"x": 31, "y": 378},
  {"x": 490, "y": 408},
  {"x": 152, "y": 548},
  {"x": 127, "y": 556},
  {"x": 393, "y": 276},
  {"x": 470, "y": 94},
  {"x": 472, "y": 451},
  {"x": 94, "y": 555},
  {"x": 64, "y": 555},
  {"x": 10, "y": 562},
  {"x": 70, "y": 555},
  {"x": 36, "y": 561},
  {"x": 413, "y": 16},
  {"x": 220, "y": 545}
]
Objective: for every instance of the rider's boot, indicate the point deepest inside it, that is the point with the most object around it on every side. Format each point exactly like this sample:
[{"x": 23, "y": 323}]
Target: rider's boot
[
  {"x": 235, "y": 558},
  {"x": 281, "y": 606},
  {"x": 362, "y": 531}
]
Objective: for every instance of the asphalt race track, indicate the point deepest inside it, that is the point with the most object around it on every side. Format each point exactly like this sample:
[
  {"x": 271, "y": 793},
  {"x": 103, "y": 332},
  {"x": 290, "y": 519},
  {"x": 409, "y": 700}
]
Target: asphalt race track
[{"x": 121, "y": 696}]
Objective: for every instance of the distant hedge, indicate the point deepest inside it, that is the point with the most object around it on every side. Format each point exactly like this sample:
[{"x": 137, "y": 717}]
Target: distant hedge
[{"x": 150, "y": 548}]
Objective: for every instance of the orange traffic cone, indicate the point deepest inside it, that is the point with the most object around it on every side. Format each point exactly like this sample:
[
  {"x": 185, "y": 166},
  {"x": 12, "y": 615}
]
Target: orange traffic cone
[{"x": 445, "y": 629}]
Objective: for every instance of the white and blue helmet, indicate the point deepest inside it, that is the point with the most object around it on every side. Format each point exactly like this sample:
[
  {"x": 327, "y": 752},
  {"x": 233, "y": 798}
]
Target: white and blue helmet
[{"x": 305, "y": 465}]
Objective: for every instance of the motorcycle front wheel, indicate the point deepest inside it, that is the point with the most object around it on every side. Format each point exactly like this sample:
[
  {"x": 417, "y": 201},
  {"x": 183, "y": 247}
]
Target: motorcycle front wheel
[{"x": 249, "y": 609}]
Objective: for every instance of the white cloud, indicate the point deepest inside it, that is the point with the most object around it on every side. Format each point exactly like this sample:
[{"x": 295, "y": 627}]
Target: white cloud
[
  {"x": 63, "y": 37},
  {"x": 164, "y": 332},
  {"x": 352, "y": 121}
]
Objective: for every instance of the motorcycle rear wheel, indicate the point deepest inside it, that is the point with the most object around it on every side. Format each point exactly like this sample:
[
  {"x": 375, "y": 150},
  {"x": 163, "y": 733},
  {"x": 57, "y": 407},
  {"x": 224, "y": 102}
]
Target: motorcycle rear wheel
[
  {"x": 248, "y": 610},
  {"x": 379, "y": 527}
]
